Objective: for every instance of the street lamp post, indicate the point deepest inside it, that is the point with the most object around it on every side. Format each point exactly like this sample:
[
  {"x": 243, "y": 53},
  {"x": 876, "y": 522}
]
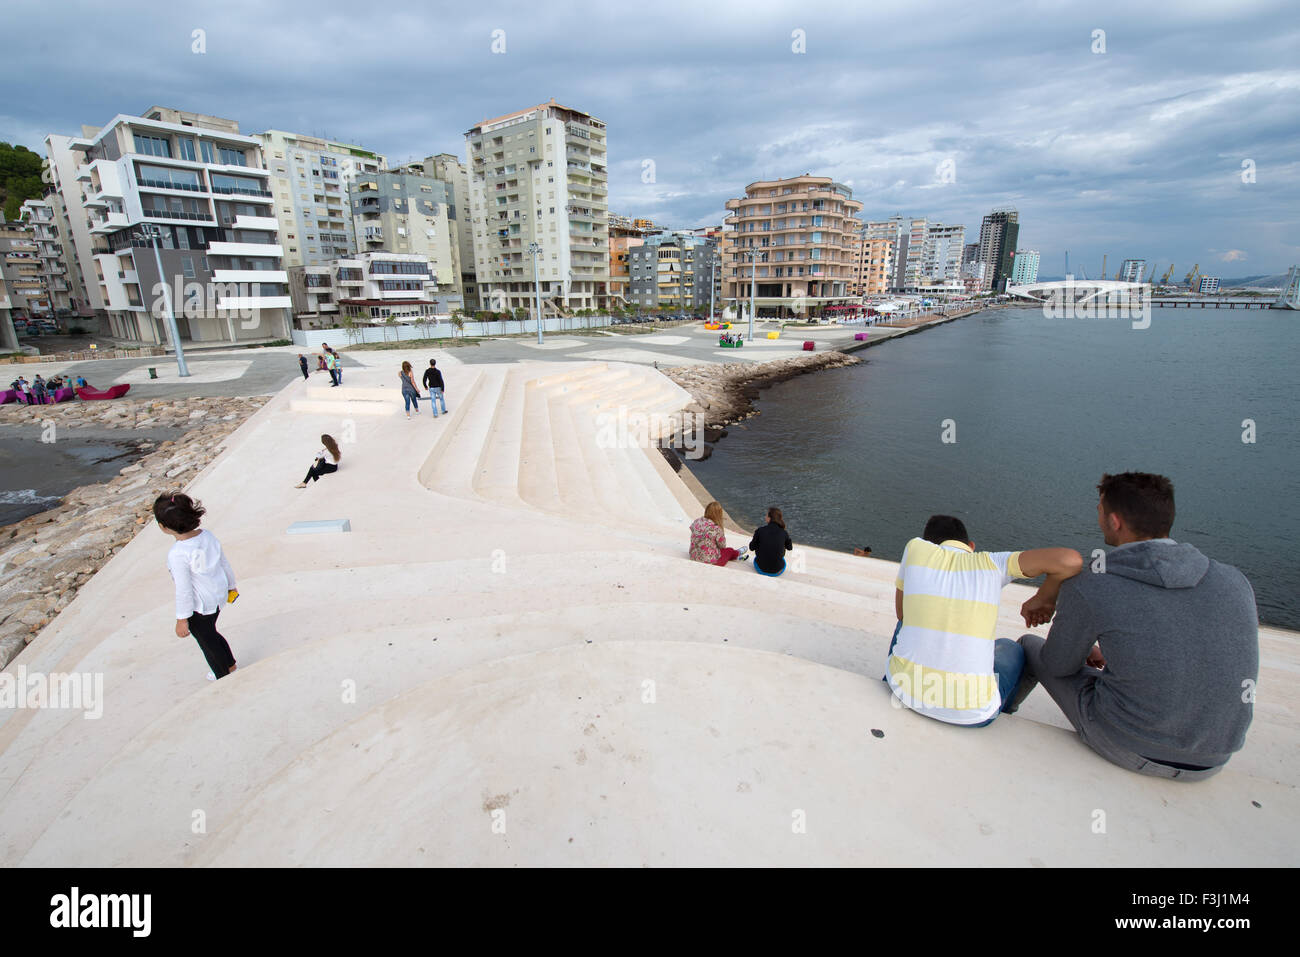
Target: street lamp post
[
  {"x": 753, "y": 288},
  {"x": 713, "y": 265},
  {"x": 535, "y": 250},
  {"x": 151, "y": 232}
]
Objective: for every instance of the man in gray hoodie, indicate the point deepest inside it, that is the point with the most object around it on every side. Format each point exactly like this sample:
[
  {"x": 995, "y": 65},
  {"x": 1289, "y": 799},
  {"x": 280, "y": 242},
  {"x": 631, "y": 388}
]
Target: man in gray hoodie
[{"x": 1154, "y": 655}]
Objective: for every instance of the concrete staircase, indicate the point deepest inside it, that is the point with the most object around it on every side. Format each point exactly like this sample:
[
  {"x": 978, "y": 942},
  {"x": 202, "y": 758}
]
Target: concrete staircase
[{"x": 511, "y": 660}]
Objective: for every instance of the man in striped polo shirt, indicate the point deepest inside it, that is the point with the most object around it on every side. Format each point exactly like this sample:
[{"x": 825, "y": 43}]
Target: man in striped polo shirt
[{"x": 944, "y": 660}]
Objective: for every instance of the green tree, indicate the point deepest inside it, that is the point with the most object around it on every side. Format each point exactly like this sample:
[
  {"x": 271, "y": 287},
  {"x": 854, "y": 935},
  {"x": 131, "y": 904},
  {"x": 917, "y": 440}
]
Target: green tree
[{"x": 20, "y": 178}]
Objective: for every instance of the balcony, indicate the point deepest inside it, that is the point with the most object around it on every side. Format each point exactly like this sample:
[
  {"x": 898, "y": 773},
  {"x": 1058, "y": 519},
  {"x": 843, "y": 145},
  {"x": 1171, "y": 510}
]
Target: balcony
[
  {"x": 111, "y": 222},
  {"x": 278, "y": 276},
  {"x": 169, "y": 214},
  {"x": 256, "y": 222},
  {"x": 245, "y": 249},
  {"x": 241, "y": 191}
]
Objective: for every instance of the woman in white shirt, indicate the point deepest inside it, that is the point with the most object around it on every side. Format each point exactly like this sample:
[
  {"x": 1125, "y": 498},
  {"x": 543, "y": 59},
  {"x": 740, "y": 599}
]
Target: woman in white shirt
[
  {"x": 322, "y": 465},
  {"x": 204, "y": 579}
]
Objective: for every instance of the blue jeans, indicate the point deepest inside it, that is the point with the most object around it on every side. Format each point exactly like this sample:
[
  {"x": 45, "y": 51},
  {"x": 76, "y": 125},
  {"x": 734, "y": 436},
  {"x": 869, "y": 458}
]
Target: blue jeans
[
  {"x": 1008, "y": 666},
  {"x": 436, "y": 399},
  {"x": 412, "y": 399},
  {"x": 770, "y": 574}
]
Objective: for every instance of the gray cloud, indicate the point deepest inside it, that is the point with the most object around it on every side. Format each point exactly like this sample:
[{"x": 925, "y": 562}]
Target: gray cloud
[{"x": 1135, "y": 152}]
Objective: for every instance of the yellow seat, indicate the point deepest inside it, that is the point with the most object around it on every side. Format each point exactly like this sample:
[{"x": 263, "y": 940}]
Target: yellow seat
[{"x": 774, "y": 335}]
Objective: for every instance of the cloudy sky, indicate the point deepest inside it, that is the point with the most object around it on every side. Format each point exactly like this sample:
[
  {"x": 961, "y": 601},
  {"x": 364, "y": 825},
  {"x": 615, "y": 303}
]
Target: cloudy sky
[{"x": 1128, "y": 142}]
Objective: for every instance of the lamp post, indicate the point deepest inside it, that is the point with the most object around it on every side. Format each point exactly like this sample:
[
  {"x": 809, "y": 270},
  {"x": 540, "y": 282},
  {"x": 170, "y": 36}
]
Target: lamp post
[
  {"x": 150, "y": 231},
  {"x": 713, "y": 264},
  {"x": 535, "y": 250},
  {"x": 753, "y": 288}
]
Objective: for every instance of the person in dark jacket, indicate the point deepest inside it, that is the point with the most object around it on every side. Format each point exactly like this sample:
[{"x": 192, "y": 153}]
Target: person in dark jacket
[
  {"x": 433, "y": 382},
  {"x": 770, "y": 543},
  {"x": 302, "y": 363},
  {"x": 1154, "y": 655}
]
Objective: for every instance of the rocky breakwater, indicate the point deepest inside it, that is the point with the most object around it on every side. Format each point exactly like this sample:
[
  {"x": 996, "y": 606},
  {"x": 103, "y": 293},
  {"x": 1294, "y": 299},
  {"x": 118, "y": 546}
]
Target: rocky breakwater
[
  {"x": 725, "y": 393},
  {"x": 47, "y": 558}
]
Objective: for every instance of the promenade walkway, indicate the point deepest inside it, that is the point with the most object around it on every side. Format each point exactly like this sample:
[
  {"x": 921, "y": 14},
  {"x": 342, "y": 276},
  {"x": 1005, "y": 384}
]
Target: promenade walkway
[{"x": 509, "y": 660}]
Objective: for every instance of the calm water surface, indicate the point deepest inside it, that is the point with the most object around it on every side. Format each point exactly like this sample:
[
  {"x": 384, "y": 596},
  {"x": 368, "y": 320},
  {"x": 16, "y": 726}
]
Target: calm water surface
[{"x": 1041, "y": 409}]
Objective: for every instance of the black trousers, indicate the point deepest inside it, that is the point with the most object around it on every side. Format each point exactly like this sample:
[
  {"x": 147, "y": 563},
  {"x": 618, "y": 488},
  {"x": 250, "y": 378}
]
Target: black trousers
[
  {"x": 214, "y": 647},
  {"x": 320, "y": 468}
]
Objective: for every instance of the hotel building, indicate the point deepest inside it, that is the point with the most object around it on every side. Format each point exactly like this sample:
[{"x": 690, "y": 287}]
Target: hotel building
[
  {"x": 201, "y": 184},
  {"x": 791, "y": 239},
  {"x": 540, "y": 175}
]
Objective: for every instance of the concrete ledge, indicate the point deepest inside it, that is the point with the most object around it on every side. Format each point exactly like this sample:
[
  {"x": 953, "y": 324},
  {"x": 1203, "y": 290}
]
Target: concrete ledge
[{"x": 321, "y": 525}]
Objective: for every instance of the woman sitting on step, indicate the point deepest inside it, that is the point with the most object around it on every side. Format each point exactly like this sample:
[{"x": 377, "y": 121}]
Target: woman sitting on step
[
  {"x": 323, "y": 466},
  {"x": 709, "y": 541},
  {"x": 770, "y": 544}
]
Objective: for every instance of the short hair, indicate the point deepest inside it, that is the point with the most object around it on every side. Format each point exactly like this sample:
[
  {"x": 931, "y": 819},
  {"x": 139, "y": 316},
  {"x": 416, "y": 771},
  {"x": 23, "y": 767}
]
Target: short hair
[
  {"x": 433, "y": 362},
  {"x": 944, "y": 528},
  {"x": 1144, "y": 500},
  {"x": 178, "y": 512}
]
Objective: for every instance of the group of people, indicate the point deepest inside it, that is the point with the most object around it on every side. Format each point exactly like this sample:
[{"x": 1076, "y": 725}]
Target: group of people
[
  {"x": 41, "y": 391},
  {"x": 326, "y": 361},
  {"x": 1153, "y": 651}
]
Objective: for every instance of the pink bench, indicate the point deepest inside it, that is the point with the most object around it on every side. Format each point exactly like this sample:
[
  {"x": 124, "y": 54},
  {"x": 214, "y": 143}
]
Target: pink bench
[
  {"x": 808, "y": 345},
  {"x": 860, "y": 336}
]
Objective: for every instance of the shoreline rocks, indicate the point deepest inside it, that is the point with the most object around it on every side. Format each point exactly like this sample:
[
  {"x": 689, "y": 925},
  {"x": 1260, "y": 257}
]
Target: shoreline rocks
[
  {"x": 46, "y": 558},
  {"x": 725, "y": 393}
]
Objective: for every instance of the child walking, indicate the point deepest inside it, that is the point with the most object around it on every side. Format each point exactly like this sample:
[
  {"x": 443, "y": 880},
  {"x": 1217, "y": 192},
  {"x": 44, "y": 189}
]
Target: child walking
[{"x": 204, "y": 579}]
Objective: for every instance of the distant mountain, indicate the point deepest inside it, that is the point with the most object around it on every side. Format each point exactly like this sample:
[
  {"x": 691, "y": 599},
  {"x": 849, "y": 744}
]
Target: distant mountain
[{"x": 1254, "y": 282}]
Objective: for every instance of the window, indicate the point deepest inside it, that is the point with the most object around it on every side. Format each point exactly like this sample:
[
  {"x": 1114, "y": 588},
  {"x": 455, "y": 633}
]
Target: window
[
  {"x": 187, "y": 266},
  {"x": 186, "y": 148},
  {"x": 152, "y": 145},
  {"x": 205, "y": 150},
  {"x": 231, "y": 157}
]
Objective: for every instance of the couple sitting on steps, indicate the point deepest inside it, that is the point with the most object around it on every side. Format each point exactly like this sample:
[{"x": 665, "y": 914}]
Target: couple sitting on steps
[{"x": 1153, "y": 653}]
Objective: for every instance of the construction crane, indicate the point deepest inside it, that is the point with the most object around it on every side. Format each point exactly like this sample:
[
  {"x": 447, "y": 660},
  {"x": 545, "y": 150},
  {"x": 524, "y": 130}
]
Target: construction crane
[
  {"x": 1103, "y": 265},
  {"x": 1190, "y": 278},
  {"x": 1153, "y": 274},
  {"x": 1164, "y": 280}
]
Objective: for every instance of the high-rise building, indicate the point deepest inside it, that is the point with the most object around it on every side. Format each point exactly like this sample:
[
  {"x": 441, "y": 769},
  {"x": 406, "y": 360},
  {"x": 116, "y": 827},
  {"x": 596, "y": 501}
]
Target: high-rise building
[
  {"x": 790, "y": 241},
  {"x": 449, "y": 170},
  {"x": 1209, "y": 284},
  {"x": 310, "y": 177},
  {"x": 74, "y": 228},
  {"x": 404, "y": 211},
  {"x": 201, "y": 186},
  {"x": 540, "y": 175},
  {"x": 873, "y": 260},
  {"x": 999, "y": 232},
  {"x": 39, "y": 216},
  {"x": 898, "y": 231},
  {"x": 674, "y": 270},
  {"x": 1024, "y": 267},
  {"x": 1132, "y": 270}
]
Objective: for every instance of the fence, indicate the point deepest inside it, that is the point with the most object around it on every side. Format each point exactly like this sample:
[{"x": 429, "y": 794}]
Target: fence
[{"x": 312, "y": 339}]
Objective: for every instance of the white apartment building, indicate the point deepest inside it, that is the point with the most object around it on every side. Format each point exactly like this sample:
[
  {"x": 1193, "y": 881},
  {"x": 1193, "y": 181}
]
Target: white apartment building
[
  {"x": 310, "y": 178},
  {"x": 202, "y": 186},
  {"x": 933, "y": 254},
  {"x": 540, "y": 176},
  {"x": 39, "y": 216},
  {"x": 79, "y": 254},
  {"x": 371, "y": 287}
]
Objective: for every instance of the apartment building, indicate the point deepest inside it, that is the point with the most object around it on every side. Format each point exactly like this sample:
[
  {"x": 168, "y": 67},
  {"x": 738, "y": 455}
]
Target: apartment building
[
  {"x": 74, "y": 230},
  {"x": 310, "y": 178},
  {"x": 675, "y": 270},
  {"x": 454, "y": 176},
  {"x": 873, "y": 264},
  {"x": 22, "y": 287},
  {"x": 999, "y": 231},
  {"x": 404, "y": 211},
  {"x": 39, "y": 216},
  {"x": 790, "y": 240},
  {"x": 1024, "y": 266},
  {"x": 200, "y": 185},
  {"x": 934, "y": 255},
  {"x": 370, "y": 287},
  {"x": 898, "y": 231},
  {"x": 1132, "y": 270},
  {"x": 540, "y": 175},
  {"x": 625, "y": 233}
]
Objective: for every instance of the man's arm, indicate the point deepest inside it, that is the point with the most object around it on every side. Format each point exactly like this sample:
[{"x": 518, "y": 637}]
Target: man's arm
[
  {"x": 1073, "y": 634},
  {"x": 1058, "y": 564},
  {"x": 898, "y": 603}
]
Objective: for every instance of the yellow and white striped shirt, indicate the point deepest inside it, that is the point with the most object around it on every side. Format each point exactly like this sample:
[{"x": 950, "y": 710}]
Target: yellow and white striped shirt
[{"x": 942, "y": 665}]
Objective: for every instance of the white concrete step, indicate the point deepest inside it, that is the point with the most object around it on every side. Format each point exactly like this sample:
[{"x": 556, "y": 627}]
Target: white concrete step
[
  {"x": 450, "y": 468},
  {"x": 496, "y": 476},
  {"x": 538, "y": 485}
]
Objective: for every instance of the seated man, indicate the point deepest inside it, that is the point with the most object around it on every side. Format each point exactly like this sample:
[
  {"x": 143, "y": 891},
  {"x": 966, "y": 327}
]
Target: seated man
[
  {"x": 943, "y": 661},
  {"x": 1173, "y": 695}
]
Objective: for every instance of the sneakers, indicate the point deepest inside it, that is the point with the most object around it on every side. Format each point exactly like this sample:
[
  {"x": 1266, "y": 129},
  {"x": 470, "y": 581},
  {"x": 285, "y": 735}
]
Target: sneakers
[
  {"x": 211, "y": 676},
  {"x": 744, "y": 554}
]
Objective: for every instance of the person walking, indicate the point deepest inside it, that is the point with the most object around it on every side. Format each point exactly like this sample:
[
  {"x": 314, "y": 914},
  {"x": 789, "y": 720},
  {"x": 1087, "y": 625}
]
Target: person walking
[
  {"x": 338, "y": 366},
  {"x": 302, "y": 362},
  {"x": 433, "y": 382},
  {"x": 770, "y": 543},
  {"x": 410, "y": 393},
  {"x": 332, "y": 365},
  {"x": 322, "y": 466},
  {"x": 203, "y": 577}
]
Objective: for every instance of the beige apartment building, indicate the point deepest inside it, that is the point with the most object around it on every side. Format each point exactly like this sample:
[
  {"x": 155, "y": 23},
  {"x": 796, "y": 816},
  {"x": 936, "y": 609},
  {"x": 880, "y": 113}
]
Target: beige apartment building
[
  {"x": 540, "y": 175},
  {"x": 791, "y": 239},
  {"x": 873, "y": 264}
]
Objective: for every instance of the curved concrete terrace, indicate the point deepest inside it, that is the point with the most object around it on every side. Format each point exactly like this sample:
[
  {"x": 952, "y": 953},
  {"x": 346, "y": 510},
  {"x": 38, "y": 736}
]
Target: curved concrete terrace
[{"x": 510, "y": 660}]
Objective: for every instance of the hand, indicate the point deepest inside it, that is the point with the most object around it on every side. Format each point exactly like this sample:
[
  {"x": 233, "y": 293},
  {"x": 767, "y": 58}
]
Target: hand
[
  {"x": 1038, "y": 610},
  {"x": 182, "y": 628},
  {"x": 1095, "y": 660}
]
